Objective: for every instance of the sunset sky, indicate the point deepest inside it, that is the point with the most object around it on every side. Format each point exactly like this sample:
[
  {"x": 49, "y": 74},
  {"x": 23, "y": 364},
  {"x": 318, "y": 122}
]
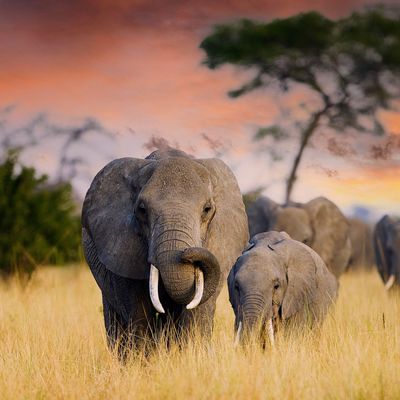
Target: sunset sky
[{"x": 135, "y": 66}]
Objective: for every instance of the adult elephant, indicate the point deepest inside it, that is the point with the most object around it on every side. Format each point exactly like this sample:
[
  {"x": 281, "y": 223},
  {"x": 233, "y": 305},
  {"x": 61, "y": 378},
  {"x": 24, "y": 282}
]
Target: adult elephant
[
  {"x": 387, "y": 250},
  {"x": 319, "y": 224},
  {"x": 362, "y": 252},
  {"x": 168, "y": 215}
]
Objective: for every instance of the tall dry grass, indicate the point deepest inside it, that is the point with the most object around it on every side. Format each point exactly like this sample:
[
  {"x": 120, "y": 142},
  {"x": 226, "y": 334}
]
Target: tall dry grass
[{"x": 52, "y": 346}]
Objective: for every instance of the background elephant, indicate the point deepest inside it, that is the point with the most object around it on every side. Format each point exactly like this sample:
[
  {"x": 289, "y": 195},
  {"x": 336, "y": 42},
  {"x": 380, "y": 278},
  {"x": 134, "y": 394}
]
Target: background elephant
[
  {"x": 362, "y": 252},
  {"x": 261, "y": 214},
  {"x": 168, "y": 215},
  {"x": 319, "y": 224},
  {"x": 387, "y": 250},
  {"x": 278, "y": 279}
]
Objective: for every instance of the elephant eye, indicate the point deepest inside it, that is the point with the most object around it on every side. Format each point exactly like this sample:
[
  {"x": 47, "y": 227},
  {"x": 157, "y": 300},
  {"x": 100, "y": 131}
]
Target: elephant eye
[
  {"x": 276, "y": 286},
  {"x": 207, "y": 209},
  {"x": 237, "y": 288},
  {"x": 141, "y": 209}
]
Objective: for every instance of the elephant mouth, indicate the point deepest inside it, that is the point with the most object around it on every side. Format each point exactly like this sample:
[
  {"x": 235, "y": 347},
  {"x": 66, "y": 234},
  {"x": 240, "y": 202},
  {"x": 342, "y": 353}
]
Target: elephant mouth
[
  {"x": 206, "y": 271},
  {"x": 267, "y": 326},
  {"x": 153, "y": 289}
]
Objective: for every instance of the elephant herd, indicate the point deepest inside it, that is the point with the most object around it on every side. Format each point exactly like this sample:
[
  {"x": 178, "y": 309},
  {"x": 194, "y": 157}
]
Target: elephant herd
[{"x": 162, "y": 234}]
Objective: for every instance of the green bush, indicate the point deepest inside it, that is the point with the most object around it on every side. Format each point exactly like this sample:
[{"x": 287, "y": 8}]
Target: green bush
[{"x": 38, "y": 222}]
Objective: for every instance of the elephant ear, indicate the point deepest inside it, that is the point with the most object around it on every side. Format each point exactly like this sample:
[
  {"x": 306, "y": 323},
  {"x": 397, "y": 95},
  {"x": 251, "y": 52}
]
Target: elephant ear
[
  {"x": 331, "y": 234},
  {"x": 228, "y": 231},
  {"x": 301, "y": 272},
  {"x": 108, "y": 217},
  {"x": 233, "y": 296}
]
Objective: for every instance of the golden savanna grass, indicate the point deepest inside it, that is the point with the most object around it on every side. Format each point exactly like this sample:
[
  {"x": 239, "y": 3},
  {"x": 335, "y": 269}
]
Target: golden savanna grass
[{"x": 52, "y": 346}]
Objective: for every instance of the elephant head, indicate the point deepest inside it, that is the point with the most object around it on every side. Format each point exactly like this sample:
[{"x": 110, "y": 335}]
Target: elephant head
[
  {"x": 278, "y": 279},
  {"x": 296, "y": 222},
  {"x": 387, "y": 250},
  {"x": 260, "y": 214},
  {"x": 318, "y": 223},
  {"x": 167, "y": 216}
]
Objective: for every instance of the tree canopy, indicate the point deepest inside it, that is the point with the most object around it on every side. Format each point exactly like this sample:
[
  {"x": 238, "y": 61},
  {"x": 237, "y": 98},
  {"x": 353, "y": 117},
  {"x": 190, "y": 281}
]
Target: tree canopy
[{"x": 352, "y": 64}]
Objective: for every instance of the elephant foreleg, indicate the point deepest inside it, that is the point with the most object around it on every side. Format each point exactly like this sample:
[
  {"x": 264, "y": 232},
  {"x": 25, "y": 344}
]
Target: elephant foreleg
[
  {"x": 129, "y": 320},
  {"x": 116, "y": 329},
  {"x": 200, "y": 320}
]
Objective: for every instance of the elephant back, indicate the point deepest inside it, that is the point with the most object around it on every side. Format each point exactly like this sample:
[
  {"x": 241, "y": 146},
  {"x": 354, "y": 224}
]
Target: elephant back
[{"x": 331, "y": 239}]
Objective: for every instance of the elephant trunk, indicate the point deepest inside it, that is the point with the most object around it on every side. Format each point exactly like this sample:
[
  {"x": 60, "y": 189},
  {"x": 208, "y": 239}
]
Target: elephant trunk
[
  {"x": 256, "y": 318},
  {"x": 390, "y": 282},
  {"x": 190, "y": 274},
  {"x": 393, "y": 268},
  {"x": 254, "y": 310},
  {"x": 390, "y": 264}
]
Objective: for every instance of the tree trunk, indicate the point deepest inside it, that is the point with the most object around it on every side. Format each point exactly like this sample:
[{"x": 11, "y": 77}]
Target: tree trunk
[{"x": 305, "y": 137}]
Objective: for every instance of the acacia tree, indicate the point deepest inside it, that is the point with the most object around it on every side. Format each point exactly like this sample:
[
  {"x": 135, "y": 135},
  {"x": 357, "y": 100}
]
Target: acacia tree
[{"x": 352, "y": 65}]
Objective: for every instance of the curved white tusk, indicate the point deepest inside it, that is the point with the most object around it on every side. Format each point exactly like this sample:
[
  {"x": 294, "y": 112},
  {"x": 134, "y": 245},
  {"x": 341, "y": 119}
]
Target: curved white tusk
[
  {"x": 199, "y": 282},
  {"x": 238, "y": 334},
  {"x": 390, "y": 282},
  {"x": 271, "y": 334},
  {"x": 153, "y": 288}
]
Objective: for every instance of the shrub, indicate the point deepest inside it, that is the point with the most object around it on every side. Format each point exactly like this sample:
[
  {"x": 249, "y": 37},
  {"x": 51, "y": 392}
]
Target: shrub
[{"x": 38, "y": 222}]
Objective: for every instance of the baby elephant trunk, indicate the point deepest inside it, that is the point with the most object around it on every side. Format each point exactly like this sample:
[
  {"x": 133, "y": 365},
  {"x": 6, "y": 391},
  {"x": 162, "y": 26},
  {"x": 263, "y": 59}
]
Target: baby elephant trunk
[
  {"x": 256, "y": 319},
  {"x": 269, "y": 327}
]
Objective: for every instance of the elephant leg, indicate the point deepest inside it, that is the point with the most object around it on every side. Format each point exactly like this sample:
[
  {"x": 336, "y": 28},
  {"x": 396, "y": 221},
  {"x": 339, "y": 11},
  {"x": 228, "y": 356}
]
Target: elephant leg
[
  {"x": 116, "y": 328},
  {"x": 199, "y": 320},
  {"x": 143, "y": 323},
  {"x": 129, "y": 317}
]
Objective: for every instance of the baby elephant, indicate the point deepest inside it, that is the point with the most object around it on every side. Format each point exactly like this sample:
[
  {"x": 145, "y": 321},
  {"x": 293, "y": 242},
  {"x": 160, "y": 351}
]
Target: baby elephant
[{"x": 278, "y": 280}]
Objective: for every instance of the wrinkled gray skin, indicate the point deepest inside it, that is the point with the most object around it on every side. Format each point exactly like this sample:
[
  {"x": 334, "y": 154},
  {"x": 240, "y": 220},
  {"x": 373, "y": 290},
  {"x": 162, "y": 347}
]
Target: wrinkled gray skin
[
  {"x": 319, "y": 224},
  {"x": 362, "y": 252},
  {"x": 174, "y": 212},
  {"x": 387, "y": 248},
  {"x": 280, "y": 278}
]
